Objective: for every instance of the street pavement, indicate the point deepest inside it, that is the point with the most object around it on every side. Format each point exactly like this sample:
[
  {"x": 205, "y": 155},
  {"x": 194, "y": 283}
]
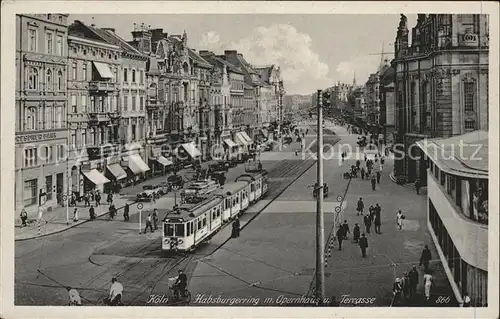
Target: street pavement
[
  {"x": 89, "y": 255},
  {"x": 273, "y": 261}
]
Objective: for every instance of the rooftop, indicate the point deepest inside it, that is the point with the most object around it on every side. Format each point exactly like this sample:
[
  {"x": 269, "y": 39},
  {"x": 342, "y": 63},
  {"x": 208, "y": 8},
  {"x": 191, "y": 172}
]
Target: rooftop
[{"x": 464, "y": 155}]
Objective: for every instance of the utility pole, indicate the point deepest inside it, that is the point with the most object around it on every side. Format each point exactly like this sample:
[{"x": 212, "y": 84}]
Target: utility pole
[{"x": 320, "y": 222}]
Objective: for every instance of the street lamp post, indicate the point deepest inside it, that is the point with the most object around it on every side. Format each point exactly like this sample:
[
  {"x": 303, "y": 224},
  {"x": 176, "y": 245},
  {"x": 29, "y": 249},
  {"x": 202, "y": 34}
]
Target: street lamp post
[{"x": 320, "y": 227}]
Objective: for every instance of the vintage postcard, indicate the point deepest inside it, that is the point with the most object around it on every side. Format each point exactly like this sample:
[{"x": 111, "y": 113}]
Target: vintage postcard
[{"x": 249, "y": 159}]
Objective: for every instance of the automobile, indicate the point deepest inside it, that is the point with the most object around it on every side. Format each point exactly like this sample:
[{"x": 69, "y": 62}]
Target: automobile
[
  {"x": 219, "y": 166},
  {"x": 175, "y": 181},
  {"x": 148, "y": 191}
]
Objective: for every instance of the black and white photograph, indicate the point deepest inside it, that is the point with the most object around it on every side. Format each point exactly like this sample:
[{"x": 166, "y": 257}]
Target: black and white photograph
[{"x": 319, "y": 156}]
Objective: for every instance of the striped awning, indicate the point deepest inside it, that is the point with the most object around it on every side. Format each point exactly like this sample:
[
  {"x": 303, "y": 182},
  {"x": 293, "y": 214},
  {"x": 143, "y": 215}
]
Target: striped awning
[
  {"x": 96, "y": 177},
  {"x": 117, "y": 171},
  {"x": 240, "y": 139},
  {"x": 136, "y": 164}
]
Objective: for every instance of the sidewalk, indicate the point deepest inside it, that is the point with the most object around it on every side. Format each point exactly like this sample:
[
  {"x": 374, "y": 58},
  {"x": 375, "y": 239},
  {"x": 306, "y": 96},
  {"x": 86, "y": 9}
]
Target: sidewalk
[{"x": 56, "y": 219}]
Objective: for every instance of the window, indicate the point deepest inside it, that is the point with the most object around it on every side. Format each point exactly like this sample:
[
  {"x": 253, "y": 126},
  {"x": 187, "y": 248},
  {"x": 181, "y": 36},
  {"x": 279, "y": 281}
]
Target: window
[
  {"x": 204, "y": 221},
  {"x": 469, "y": 96},
  {"x": 470, "y": 125},
  {"x": 141, "y": 77},
  {"x": 92, "y": 104},
  {"x": 32, "y": 39},
  {"x": 115, "y": 105},
  {"x": 84, "y": 71},
  {"x": 48, "y": 117},
  {"x": 73, "y": 139},
  {"x": 133, "y": 101},
  {"x": 51, "y": 154},
  {"x": 48, "y": 80},
  {"x": 101, "y": 104},
  {"x": 134, "y": 132},
  {"x": 443, "y": 178},
  {"x": 49, "y": 41},
  {"x": 59, "y": 117},
  {"x": 84, "y": 103},
  {"x": 102, "y": 135},
  {"x": 133, "y": 76},
  {"x": 48, "y": 187},
  {"x": 30, "y": 157},
  {"x": 141, "y": 103},
  {"x": 60, "y": 153},
  {"x": 179, "y": 230},
  {"x": 73, "y": 71},
  {"x": 73, "y": 104},
  {"x": 30, "y": 188},
  {"x": 169, "y": 230},
  {"x": 59, "y": 81},
  {"x": 84, "y": 137},
  {"x": 125, "y": 75},
  {"x": 59, "y": 45},
  {"x": 33, "y": 80},
  {"x": 450, "y": 185},
  {"x": 115, "y": 72},
  {"x": 125, "y": 103}
]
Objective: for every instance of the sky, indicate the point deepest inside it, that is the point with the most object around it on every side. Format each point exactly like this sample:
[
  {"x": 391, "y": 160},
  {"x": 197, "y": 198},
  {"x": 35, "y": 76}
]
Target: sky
[{"x": 313, "y": 51}]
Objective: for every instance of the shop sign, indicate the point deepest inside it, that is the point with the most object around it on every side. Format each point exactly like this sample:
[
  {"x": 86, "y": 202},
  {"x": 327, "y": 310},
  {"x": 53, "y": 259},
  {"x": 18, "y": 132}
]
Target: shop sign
[{"x": 38, "y": 137}]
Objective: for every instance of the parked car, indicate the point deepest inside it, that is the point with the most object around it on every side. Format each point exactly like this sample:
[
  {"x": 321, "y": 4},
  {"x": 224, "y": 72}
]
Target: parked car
[
  {"x": 219, "y": 166},
  {"x": 175, "y": 181},
  {"x": 148, "y": 191}
]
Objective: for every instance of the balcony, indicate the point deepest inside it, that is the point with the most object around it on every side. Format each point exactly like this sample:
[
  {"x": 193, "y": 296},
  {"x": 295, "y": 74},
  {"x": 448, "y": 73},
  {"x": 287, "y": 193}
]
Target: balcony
[
  {"x": 98, "y": 86},
  {"x": 97, "y": 118}
]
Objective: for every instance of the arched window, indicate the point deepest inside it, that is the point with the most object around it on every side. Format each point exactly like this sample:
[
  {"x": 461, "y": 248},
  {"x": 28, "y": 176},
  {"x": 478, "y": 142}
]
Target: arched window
[
  {"x": 30, "y": 118},
  {"x": 59, "y": 81},
  {"x": 33, "y": 79},
  {"x": 185, "y": 67},
  {"x": 48, "y": 80}
]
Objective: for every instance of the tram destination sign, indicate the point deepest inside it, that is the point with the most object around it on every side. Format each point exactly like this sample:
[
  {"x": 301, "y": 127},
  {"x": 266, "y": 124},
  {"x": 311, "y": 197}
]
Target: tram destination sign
[{"x": 38, "y": 137}]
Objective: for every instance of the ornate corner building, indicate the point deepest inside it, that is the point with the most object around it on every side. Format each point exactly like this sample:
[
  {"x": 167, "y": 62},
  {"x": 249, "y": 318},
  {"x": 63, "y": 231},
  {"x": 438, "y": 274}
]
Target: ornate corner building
[
  {"x": 441, "y": 82},
  {"x": 41, "y": 132}
]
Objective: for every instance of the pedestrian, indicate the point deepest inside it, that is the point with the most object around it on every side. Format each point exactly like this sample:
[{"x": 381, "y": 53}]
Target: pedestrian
[
  {"x": 110, "y": 198},
  {"x": 97, "y": 199},
  {"x": 374, "y": 181},
  {"x": 368, "y": 223},
  {"x": 355, "y": 233},
  {"x": 425, "y": 258},
  {"x": 92, "y": 212},
  {"x": 358, "y": 163},
  {"x": 112, "y": 211},
  {"x": 397, "y": 288},
  {"x": 155, "y": 219},
  {"x": 148, "y": 223},
  {"x": 74, "y": 297},
  {"x": 73, "y": 199},
  {"x": 466, "y": 300},
  {"x": 126, "y": 211},
  {"x": 340, "y": 236},
  {"x": 378, "y": 221},
  {"x": 75, "y": 215},
  {"x": 345, "y": 226},
  {"x": 115, "y": 293},
  {"x": 24, "y": 217},
  {"x": 362, "y": 173},
  {"x": 428, "y": 279},
  {"x": 363, "y": 244},
  {"x": 40, "y": 216},
  {"x": 360, "y": 206},
  {"x": 417, "y": 186},
  {"x": 382, "y": 162},
  {"x": 406, "y": 286},
  {"x": 399, "y": 219},
  {"x": 413, "y": 275},
  {"x": 378, "y": 177},
  {"x": 86, "y": 199},
  {"x": 235, "y": 228},
  {"x": 371, "y": 211}
]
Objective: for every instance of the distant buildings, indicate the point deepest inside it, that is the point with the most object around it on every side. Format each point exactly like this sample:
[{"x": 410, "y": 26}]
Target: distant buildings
[
  {"x": 295, "y": 103},
  {"x": 441, "y": 83}
]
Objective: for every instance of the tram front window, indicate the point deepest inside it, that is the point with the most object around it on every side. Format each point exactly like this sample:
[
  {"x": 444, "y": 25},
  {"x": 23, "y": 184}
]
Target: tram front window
[
  {"x": 169, "y": 230},
  {"x": 179, "y": 230}
]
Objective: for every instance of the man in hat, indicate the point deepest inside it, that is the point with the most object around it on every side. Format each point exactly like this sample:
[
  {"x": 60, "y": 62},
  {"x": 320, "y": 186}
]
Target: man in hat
[
  {"x": 425, "y": 258},
  {"x": 340, "y": 236},
  {"x": 413, "y": 275},
  {"x": 356, "y": 232},
  {"x": 363, "y": 244},
  {"x": 345, "y": 227}
]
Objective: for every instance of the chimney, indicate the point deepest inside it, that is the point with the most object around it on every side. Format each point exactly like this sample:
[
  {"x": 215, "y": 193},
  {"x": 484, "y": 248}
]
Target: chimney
[
  {"x": 157, "y": 34},
  {"x": 112, "y": 30}
]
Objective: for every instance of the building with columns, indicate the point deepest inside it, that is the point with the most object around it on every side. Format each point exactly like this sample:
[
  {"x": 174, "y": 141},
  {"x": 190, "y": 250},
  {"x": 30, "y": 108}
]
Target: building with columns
[
  {"x": 41, "y": 132},
  {"x": 441, "y": 85}
]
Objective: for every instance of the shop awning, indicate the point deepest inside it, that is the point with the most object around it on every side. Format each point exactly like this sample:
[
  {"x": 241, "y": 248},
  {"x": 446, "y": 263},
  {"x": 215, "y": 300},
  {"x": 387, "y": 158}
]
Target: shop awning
[
  {"x": 240, "y": 139},
  {"x": 163, "y": 161},
  {"x": 191, "y": 149},
  {"x": 230, "y": 143},
  {"x": 264, "y": 132},
  {"x": 96, "y": 177},
  {"x": 117, "y": 171},
  {"x": 104, "y": 70},
  {"x": 248, "y": 138},
  {"x": 136, "y": 164}
]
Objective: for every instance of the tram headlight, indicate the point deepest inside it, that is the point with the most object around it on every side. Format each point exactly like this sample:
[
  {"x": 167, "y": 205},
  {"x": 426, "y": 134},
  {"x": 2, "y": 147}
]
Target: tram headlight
[
  {"x": 166, "y": 241},
  {"x": 181, "y": 241}
]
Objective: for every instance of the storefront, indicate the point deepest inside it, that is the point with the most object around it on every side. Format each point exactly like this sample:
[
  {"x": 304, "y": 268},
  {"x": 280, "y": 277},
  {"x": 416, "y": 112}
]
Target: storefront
[
  {"x": 135, "y": 168},
  {"x": 159, "y": 164},
  {"x": 116, "y": 174},
  {"x": 93, "y": 180},
  {"x": 248, "y": 139},
  {"x": 187, "y": 154},
  {"x": 231, "y": 149},
  {"x": 242, "y": 142},
  {"x": 41, "y": 170}
]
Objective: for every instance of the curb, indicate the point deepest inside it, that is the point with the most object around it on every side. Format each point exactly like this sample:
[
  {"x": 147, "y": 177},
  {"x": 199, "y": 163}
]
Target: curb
[{"x": 69, "y": 227}]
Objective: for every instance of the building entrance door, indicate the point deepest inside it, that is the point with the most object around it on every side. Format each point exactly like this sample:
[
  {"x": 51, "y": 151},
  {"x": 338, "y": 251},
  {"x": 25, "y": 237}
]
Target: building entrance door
[{"x": 59, "y": 187}]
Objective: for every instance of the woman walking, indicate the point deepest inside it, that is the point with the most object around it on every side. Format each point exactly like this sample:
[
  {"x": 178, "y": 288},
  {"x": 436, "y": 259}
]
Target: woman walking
[
  {"x": 428, "y": 285},
  {"x": 399, "y": 219}
]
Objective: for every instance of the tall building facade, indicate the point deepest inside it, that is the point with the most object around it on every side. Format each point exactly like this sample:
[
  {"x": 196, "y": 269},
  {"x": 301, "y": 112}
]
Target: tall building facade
[
  {"x": 441, "y": 84},
  {"x": 93, "y": 115},
  {"x": 41, "y": 132},
  {"x": 387, "y": 103},
  {"x": 372, "y": 94}
]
